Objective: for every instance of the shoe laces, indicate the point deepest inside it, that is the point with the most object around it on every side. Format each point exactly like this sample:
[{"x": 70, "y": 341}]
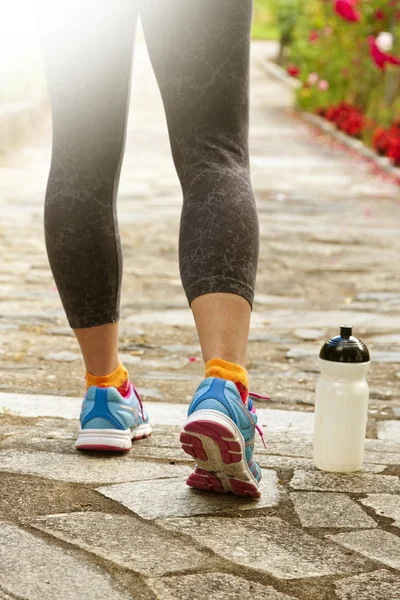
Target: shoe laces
[{"x": 252, "y": 409}]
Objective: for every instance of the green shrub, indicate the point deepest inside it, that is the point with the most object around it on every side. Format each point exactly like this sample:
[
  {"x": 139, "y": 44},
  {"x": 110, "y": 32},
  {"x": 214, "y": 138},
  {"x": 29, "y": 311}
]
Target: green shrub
[{"x": 328, "y": 48}]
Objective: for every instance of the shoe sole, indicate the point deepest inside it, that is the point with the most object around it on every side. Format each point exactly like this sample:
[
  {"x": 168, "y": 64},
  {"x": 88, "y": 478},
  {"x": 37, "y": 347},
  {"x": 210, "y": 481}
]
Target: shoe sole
[
  {"x": 111, "y": 440},
  {"x": 218, "y": 447}
]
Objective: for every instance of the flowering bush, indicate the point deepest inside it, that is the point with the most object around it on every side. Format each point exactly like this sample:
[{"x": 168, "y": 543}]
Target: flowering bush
[
  {"x": 387, "y": 142},
  {"x": 347, "y": 118},
  {"x": 346, "y": 53}
]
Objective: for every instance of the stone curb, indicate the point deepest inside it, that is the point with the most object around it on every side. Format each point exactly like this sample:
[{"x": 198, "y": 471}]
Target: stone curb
[
  {"x": 383, "y": 162},
  {"x": 277, "y": 72},
  {"x": 19, "y": 119}
]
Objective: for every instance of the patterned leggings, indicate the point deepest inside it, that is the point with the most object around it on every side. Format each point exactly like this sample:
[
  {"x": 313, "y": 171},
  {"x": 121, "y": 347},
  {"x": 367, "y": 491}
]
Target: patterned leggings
[{"x": 199, "y": 50}]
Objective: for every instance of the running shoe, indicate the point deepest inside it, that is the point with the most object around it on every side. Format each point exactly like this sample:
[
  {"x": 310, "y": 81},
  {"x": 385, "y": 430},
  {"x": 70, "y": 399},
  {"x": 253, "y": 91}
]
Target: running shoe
[
  {"x": 110, "y": 421},
  {"x": 219, "y": 433}
]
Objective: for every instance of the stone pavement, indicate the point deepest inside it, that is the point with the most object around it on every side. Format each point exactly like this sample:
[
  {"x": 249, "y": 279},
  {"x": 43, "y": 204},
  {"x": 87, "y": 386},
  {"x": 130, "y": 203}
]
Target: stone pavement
[{"x": 81, "y": 526}]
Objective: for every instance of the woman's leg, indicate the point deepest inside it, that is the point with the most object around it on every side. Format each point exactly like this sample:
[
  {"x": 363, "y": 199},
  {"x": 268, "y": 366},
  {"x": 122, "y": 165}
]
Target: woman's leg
[
  {"x": 200, "y": 53},
  {"x": 88, "y": 54}
]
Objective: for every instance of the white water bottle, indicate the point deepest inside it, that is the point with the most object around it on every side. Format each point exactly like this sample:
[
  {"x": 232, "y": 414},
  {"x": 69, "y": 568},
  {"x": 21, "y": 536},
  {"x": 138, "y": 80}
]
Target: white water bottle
[{"x": 341, "y": 406}]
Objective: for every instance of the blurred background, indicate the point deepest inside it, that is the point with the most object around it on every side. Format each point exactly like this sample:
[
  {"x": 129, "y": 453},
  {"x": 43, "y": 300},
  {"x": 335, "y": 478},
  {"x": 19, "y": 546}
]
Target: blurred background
[
  {"x": 327, "y": 214},
  {"x": 344, "y": 53}
]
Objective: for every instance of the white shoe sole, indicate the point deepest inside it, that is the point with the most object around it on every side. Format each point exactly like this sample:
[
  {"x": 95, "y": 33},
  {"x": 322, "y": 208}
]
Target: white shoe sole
[
  {"x": 112, "y": 440},
  {"x": 218, "y": 446}
]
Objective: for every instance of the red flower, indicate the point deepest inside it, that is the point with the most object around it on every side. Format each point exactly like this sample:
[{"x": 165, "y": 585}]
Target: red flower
[
  {"x": 346, "y": 10},
  {"x": 293, "y": 70},
  {"x": 379, "y": 14},
  {"x": 380, "y": 141},
  {"x": 347, "y": 118},
  {"x": 381, "y": 59},
  {"x": 387, "y": 142},
  {"x": 354, "y": 125},
  {"x": 314, "y": 35},
  {"x": 394, "y": 151}
]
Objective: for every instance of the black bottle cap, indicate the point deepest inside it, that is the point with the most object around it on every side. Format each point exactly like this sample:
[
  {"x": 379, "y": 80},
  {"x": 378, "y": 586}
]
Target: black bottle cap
[{"x": 345, "y": 348}]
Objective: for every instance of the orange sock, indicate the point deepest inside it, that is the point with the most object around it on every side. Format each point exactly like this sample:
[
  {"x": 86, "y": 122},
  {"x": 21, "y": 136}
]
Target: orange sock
[
  {"x": 216, "y": 367},
  {"x": 118, "y": 379}
]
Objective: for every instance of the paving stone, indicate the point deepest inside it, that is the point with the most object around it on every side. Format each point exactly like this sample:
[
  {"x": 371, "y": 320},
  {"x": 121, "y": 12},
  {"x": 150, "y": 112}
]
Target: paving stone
[
  {"x": 276, "y": 548},
  {"x": 309, "y": 334},
  {"x": 54, "y": 435},
  {"x": 182, "y": 348},
  {"x": 385, "y": 357},
  {"x": 385, "y": 505},
  {"x": 390, "y": 338},
  {"x": 31, "y": 405},
  {"x": 352, "y": 482},
  {"x": 389, "y": 430},
  {"x": 218, "y": 586},
  {"x": 167, "y": 376},
  {"x": 396, "y": 411},
  {"x": 373, "y": 468},
  {"x": 286, "y": 420},
  {"x": 123, "y": 540},
  {"x": 288, "y": 444},
  {"x": 30, "y": 568},
  {"x": 7, "y": 327},
  {"x": 379, "y": 296},
  {"x": 283, "y": 462},
  {"x": 69, "y": 408},
  {"x": 128, "y": 359},
  {"x": 329, "y": 319},
  {"x": 390, "y": 458},
  {"x": 289, "y": 462},
  {"x": 299, "y": 352},
  {"x": 376, "y": 544},
  {"x": 160, "y": 413},
  {"x": 150, "y": 393},
  {"x": 63, "y": 356},
  {"x": 59, "y": 331},
  {"x": 378, "y": 585},
  {"x": 173, "y": 498},
  {"x": 164, "y": 317},
  {"x": 329, "y": 510},
  {"x": 272, "y": 339},
  {"x": 170, "y": 454},
  {"x": 383, "y": 446},
  {"x": 173, "y": 362},
  {"x": 273, "y": 300},
  {"x": 86, "y": 468}
]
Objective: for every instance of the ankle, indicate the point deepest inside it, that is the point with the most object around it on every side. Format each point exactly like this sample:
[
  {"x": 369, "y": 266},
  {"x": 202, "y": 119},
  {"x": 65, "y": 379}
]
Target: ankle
[
  {"x": 217, "y": 367},
  {"x": 119, "y": 378}
]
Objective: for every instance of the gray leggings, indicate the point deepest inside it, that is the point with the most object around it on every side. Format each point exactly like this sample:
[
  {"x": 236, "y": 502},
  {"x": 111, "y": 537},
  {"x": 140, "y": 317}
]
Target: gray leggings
[{"x": 200, "y": 54}]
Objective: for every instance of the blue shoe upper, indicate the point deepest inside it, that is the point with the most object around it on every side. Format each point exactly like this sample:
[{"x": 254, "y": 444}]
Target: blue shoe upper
[
  {"x": 105, "y": 408},
  {"x": 223, "y": 396}
]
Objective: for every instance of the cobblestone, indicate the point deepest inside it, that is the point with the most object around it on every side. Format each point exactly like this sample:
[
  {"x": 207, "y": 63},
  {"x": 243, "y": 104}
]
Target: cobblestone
[
  {"x": 329, "y": 255},
  {"x": 378, "y": 545},
  {"x": 379, "y": 585},
  {"x": 123, "y": 540},
  {"x": 86, "y": 468},
  {"x": 163, "y": 499},
  {"x": 385, "y": 505},
  {"x": 278, "y": 549},
  {"x": 352, "y": 482},
  {"x": 389, "y": 430},
  {"x": 32, "y": 568},
  {"x": 217, "y": 586},
  {"x": 329, "y": 510}
]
